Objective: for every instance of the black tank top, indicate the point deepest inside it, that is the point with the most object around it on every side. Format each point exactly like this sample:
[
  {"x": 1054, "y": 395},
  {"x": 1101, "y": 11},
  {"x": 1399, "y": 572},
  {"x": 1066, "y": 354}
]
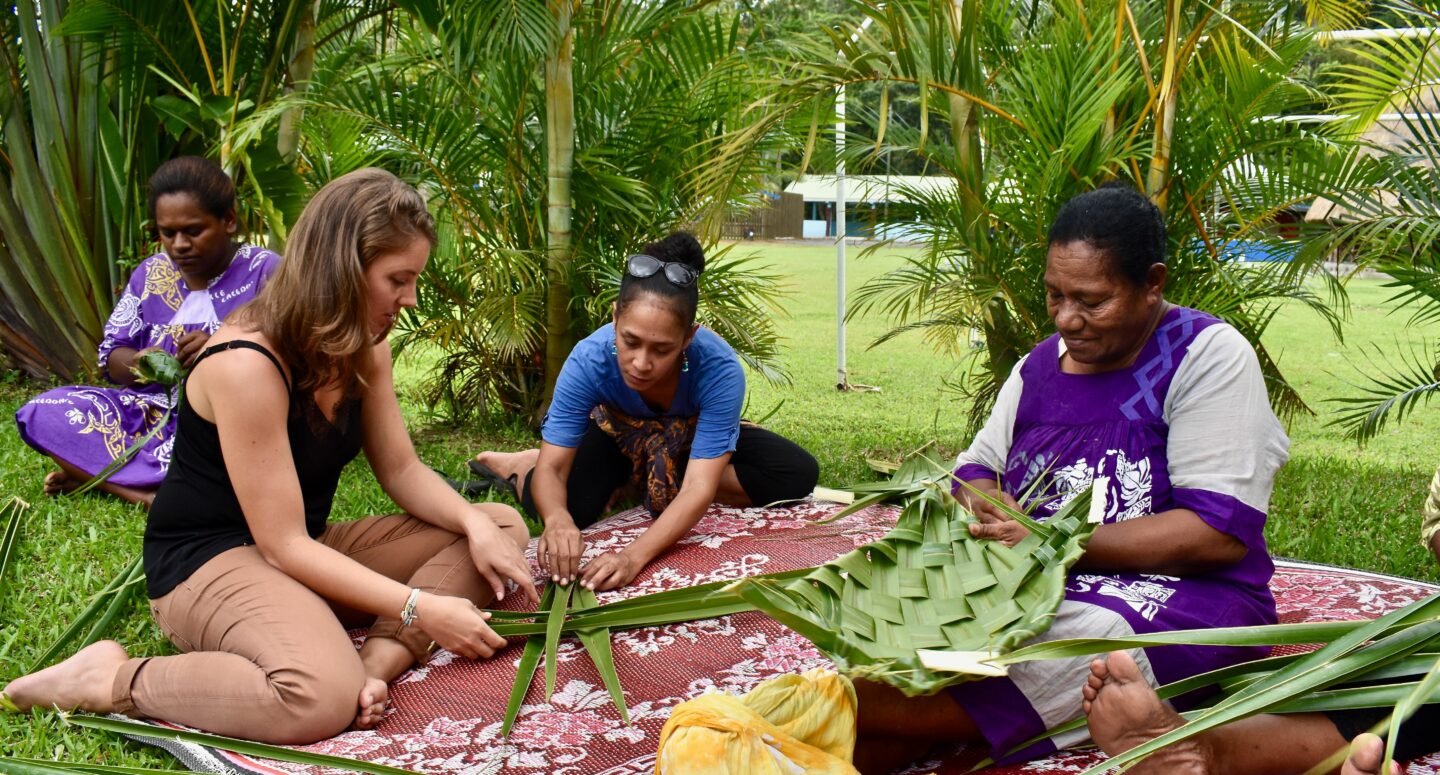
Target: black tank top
[{"x": 196, "y": 514}]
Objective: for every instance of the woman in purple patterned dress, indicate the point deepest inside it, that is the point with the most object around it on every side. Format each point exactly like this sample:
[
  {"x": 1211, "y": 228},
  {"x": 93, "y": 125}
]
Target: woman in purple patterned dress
[
  {"x": 1164, "y": 410},
  {"x": 175, "y": 299}
]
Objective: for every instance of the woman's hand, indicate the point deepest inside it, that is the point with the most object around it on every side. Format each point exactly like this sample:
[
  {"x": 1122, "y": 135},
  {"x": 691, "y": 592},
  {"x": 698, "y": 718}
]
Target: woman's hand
[
  {"x": 560, "y": 549},
  {"x": 457, "y": 625},
  {"x": 498, "y": 558},
  {"x": 1008, "y": 532},
  {"x": 188, "y": 346},
  {"x": 994, "y": 523},
  {"x": 610, "y": 571}
]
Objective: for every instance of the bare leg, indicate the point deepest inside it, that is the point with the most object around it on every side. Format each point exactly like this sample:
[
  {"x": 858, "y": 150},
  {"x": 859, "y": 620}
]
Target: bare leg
[
  {"x": 82, "y": 682},
  {"x": 69, "y": 478},
  {"x": 893, "y": 729},
  {"x": 1366, "y": 753},
  {"x": 1435, "y": 545},
  {"x": 1124, "y": 712}
]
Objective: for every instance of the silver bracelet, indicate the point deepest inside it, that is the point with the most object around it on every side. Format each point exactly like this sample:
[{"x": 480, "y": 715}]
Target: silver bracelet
[{"x": 408, "y": 614}]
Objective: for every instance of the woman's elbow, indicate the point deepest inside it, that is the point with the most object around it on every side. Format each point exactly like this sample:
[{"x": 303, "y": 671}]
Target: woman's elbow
[{"x": 1218, "y": 551}]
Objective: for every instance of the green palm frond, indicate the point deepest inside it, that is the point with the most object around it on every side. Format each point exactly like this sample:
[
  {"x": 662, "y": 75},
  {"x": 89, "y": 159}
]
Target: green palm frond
[
  {"x": 929, "y": 586},
  {"x": 880, "y": 611},
  {"x": 1395, "y": 387}
]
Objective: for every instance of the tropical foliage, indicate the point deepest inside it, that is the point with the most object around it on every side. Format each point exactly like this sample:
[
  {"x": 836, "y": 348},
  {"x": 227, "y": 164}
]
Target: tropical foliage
[
  {"x": 1039, "y": 102},
  {"x": 95, "y": 95},
  {"x": 465, "y": 104},
  {"x": 1394, "y": 225},
  {"x": 468, "y": 100}
]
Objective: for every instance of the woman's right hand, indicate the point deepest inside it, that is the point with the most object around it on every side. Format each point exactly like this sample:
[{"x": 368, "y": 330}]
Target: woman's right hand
[
  {"x": 457, "y": 625},
  {"x": 560, "y": 549}
]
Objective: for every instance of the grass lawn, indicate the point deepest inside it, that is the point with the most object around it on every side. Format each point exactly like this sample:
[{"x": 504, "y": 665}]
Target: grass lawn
[{"x": 1335, "y": 502}]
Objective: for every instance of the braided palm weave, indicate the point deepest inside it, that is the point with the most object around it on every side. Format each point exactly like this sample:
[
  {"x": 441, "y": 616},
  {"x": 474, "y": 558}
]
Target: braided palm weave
[{"x": 928, "y": 585}]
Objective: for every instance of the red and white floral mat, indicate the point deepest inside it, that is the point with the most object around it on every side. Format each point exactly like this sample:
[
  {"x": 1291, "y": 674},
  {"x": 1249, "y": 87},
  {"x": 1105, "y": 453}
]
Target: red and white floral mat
[{"x": 445, "y": 717}]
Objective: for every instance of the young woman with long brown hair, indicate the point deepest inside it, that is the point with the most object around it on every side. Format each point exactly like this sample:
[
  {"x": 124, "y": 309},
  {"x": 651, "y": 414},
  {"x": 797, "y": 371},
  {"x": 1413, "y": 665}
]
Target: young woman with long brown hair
[{"x": 245, "y": 576}]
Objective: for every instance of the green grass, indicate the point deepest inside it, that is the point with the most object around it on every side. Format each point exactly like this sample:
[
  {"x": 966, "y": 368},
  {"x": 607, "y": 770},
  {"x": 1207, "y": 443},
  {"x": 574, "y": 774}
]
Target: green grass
[{"x": 1335, "y": 502}]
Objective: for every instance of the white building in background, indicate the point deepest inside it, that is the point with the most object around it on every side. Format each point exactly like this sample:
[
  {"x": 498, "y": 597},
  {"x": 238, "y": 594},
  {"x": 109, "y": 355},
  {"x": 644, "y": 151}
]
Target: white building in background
[{"x": 866, "y": 197}]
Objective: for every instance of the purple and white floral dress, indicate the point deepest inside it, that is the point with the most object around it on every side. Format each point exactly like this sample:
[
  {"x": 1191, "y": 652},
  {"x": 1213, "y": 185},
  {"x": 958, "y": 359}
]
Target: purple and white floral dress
[
  {"x": 1188, "y": 426},
  {"x": 89, "y": 427}
]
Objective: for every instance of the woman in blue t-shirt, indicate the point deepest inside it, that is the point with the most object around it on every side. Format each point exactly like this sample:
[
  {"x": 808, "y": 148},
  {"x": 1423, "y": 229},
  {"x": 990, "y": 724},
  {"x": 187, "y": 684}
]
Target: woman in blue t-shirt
[{"x": 651, "y": 400}]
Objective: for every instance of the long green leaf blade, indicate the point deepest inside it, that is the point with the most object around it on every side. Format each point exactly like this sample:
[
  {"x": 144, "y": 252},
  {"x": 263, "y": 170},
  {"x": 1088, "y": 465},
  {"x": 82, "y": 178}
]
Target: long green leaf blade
[
  {"x": 101, "y": 602},
  {"x": 14, "y": 512},
  {"x": 597, "y": 643},
  {"x": 525, "y": 673},
  {"x": 558, "y": 606},
  {"x": 246, "y": 747}
]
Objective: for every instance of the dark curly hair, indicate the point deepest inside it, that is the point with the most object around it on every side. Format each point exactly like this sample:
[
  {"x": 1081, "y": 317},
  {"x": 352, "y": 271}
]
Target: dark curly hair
[
  {"x": 679, "y": 247},
  {"x": 1118, "y": 221},
  {"x": 199, "y": 177}
]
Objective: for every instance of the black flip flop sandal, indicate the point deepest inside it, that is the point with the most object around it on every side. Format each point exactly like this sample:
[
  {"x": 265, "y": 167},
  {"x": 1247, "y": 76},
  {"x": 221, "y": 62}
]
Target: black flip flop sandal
[
  {"x": 496, "y": 481},
  {"x": 469, "y": 488}
]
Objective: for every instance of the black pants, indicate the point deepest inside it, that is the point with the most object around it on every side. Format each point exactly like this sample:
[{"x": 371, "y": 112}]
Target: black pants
[
  {"x": 769, "y": 466},
  {"x": 1419, "y": 735}
]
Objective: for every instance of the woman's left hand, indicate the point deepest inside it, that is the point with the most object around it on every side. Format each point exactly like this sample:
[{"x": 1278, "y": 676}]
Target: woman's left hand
[
  {"x": 1006, "y": 531},
  {"x": 609, "y": 571}
]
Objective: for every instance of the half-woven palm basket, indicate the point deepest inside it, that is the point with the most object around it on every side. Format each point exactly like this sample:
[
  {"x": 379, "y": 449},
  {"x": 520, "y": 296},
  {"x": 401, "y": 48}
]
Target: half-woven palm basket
[{"x": 928, "y": 585}]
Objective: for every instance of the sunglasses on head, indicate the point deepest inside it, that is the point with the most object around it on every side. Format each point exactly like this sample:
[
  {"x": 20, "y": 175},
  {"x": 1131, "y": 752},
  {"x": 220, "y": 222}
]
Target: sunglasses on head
[{"x": 642, "y": 266}]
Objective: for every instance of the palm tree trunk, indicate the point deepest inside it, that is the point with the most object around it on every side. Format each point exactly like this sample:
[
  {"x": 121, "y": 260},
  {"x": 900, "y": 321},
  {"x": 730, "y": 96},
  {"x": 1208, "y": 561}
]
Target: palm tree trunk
[
  {"x": 1156, "y": 183},
  {"x": 560, "y": 159},
  {"x": 302, "y": 66}
]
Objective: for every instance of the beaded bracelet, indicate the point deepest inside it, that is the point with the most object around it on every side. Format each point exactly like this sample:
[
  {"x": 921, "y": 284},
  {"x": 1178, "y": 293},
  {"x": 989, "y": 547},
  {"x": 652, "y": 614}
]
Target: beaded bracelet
[{"x": 408, "y": 614}]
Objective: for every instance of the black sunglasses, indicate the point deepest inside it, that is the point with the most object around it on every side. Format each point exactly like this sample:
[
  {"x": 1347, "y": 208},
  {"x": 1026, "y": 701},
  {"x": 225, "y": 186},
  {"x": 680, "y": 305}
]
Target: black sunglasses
[{"x": 641, "y": 265}]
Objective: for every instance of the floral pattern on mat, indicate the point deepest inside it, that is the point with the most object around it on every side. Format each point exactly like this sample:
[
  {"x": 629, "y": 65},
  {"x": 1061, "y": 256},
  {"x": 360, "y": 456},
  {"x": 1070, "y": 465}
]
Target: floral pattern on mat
[{"x": 445, "y": 717}]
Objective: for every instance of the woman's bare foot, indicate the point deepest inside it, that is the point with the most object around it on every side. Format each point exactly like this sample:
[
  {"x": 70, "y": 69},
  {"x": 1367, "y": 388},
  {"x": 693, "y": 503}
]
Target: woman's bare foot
[
  {"x": 372, "y": 703},
  {"x": 59, "y": 483},
  {"x": 69, "y": 479},
  {"x": 82, "y": 682},
  {"x": 1366, "y": 753},
  {"x": 384, "y": 660},
  {"x": 508, "y": 464},
  {"x": 1124, "y": 711}
]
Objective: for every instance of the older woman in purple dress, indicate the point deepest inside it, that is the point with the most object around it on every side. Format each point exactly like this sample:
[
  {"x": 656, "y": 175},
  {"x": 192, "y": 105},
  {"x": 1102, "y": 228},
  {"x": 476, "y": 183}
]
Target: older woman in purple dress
[
  {"x": 1164, "y": 410},
  {"x": 175, "y": 299}
]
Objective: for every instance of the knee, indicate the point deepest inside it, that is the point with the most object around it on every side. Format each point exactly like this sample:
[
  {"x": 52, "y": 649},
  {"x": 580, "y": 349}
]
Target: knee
[
  {"x": 796, "y": 477},
  {"x": 314, "y": 705},
  {"x": 807, "y": 473},
  {"x": 508, "y": 520}
]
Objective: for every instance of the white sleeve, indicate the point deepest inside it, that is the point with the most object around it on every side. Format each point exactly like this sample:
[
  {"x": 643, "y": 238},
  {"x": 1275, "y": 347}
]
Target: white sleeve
[
  {"x": 991, "y": 447},
  {"x": 1224, "y": 438}
]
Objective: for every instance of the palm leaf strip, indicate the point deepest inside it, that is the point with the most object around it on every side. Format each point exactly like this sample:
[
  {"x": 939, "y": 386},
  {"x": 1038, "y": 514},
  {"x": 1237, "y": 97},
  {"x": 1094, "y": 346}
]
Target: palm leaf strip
[
  {"x": 1334, "y": 663},
  {"x": 154, "y": 367},
  {"x": 104, "y": 608},
  {"x": 24, "y": 766},
  {"x": 558, "y": 605},
  {"x": 525, "y": 672},
  {"x": 14, "y": 511},
  {"x": 597, "y": 644},
  {"x": 246, "y": 747}
]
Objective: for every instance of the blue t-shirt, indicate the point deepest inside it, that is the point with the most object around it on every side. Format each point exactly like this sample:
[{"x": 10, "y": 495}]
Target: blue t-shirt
[{"x": 713, "y": 389}]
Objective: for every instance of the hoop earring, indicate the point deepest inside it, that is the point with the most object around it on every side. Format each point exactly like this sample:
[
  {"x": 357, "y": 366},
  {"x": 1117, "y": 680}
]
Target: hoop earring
[{"x": 684, "y": 362}]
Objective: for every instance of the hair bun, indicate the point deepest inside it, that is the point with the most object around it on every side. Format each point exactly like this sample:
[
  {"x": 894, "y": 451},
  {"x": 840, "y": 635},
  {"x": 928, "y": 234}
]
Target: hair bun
[{"x": 680, "y": 247}]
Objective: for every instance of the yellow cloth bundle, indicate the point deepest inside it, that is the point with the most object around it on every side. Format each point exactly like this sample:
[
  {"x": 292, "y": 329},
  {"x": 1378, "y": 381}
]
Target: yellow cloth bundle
[{"x": 790, "y": 725}]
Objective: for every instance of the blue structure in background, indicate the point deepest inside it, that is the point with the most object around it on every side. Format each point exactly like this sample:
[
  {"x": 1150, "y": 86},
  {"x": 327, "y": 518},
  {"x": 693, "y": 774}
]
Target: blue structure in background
[{"x": 1253, "y": 251}]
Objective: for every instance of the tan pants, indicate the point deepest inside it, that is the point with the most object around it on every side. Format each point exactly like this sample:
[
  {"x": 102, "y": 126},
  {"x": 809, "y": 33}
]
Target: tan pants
[{"x": 266, "y": 658}]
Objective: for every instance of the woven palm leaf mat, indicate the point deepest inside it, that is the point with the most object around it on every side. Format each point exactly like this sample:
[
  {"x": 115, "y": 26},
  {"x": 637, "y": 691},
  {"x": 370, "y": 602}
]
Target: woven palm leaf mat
[{"x": 445, "y": 717}]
